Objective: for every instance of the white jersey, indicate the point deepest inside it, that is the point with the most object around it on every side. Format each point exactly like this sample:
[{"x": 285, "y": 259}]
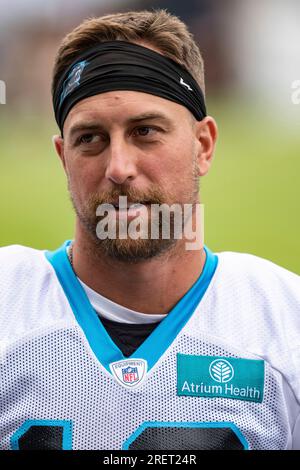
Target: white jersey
[{"x": 221, "y": 371}]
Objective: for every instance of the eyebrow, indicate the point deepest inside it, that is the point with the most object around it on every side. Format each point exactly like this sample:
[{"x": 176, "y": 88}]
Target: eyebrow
[
  {"x": 84, "y": 126},
  {"x": 149, "y": 116},
  {"x": 93, "y": 125}
]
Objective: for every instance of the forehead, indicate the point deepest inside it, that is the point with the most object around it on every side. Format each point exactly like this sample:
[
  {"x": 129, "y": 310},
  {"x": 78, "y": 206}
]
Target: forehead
[{"x": 122, "y": 105}]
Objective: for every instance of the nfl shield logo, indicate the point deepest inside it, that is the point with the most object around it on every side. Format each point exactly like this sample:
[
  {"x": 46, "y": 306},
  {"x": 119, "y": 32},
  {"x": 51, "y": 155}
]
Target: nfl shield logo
[{"x": 130, "y": 374}]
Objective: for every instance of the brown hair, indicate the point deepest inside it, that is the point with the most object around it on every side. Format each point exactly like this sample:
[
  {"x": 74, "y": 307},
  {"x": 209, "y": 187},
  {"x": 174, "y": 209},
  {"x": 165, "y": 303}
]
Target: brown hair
[{"x": 158, "y": 28}]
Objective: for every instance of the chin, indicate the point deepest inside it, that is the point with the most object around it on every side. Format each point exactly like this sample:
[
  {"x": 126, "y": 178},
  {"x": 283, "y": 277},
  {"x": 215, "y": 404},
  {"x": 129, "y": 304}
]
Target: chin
[{"x": 134, "y": 251}]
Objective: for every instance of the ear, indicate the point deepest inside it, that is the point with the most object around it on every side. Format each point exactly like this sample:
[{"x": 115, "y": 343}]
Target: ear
[
  {"x": 206, "y": 133},
  {"x": 58, "y": 143}
]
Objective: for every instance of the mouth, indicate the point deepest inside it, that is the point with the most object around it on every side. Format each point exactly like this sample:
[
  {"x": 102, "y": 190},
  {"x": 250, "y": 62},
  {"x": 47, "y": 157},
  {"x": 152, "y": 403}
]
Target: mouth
[
  {"x": 129, "y": 206},
  {"x": 130, "y": 210},
  {"x": 126, "y": 205}
]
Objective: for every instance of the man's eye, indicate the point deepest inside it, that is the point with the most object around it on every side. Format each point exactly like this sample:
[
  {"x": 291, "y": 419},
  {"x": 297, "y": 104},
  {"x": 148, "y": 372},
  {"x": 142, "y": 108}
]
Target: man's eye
[
  {"x": 89, "y": 139},
  {"x": 144, "y": 131}
]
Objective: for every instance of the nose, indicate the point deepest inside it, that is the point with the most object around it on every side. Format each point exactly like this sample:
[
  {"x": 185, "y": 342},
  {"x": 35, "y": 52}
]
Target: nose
[{"x": 121, "y": 164}]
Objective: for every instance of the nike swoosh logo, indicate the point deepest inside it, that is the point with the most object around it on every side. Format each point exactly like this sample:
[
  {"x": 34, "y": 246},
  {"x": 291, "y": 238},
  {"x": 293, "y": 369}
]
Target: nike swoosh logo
[{"x": 185, "y": 84}]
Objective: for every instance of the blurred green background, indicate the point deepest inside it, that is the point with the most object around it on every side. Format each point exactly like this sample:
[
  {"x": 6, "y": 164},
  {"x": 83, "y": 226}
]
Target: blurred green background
[{"x": 251, "y": 194}]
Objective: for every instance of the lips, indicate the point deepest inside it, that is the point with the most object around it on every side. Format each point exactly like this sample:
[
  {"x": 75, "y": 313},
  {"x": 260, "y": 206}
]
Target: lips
[
  {"x": 130, "y": 210},
  {"x": 129, "y": 205}
]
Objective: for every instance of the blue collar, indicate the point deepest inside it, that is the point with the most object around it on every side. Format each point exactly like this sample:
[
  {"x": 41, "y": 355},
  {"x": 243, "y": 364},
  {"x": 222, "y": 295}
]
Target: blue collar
[{"x": 99, "y": 340}]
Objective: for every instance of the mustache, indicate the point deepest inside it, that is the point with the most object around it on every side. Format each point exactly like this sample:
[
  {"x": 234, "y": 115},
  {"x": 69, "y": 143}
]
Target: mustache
[{"x": 135, "y": 196}]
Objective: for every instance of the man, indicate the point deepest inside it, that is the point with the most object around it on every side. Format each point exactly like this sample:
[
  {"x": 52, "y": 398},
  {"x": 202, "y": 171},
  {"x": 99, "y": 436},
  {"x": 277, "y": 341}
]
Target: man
[{"x": 142, "y": 342}]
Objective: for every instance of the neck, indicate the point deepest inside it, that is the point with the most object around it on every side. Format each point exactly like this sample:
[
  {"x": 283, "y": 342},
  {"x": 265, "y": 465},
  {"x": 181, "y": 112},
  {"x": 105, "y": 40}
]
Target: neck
[{"x": 150, "y": 286}]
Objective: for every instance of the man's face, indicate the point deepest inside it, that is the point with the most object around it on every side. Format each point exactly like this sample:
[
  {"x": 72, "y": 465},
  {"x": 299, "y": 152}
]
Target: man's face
[{"x": 127, "y": 143}]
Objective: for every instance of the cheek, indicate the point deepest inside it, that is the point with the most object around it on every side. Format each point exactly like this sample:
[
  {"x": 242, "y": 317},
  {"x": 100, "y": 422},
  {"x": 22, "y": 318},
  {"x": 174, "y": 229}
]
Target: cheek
[
  {"x": 173, "y": 171},
  {"x": 85, "y": 175},
  {"x": 178, "y": 163}
]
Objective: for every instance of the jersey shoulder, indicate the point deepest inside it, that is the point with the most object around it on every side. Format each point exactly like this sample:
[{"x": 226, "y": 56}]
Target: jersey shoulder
[
  {"x": 261, "y": 281},
  {"x": 255, "y": 267},
  {"x": 30, "y": 294},
  {"x": 19, "y": 265},
  {"x": 13, "y": 255}
]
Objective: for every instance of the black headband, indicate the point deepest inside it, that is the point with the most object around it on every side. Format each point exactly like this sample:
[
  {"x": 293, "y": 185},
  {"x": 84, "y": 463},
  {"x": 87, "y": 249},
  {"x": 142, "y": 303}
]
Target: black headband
[{"x": 120, "y": 65}]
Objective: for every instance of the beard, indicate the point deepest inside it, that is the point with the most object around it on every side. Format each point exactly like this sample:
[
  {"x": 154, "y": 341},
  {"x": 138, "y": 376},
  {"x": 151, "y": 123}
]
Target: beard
[{"x": 144, "y": 247}]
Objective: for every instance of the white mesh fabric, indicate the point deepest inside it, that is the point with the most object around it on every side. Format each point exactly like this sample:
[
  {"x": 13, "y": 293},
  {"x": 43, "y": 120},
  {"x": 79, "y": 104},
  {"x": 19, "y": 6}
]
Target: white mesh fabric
[
  {"x": 55, "y": 376},
  {"x": 30, "y": 295},
  {"x": 50, "y": 372}
]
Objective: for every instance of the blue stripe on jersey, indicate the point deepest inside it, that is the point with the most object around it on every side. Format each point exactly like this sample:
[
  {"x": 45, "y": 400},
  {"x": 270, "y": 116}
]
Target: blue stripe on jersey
[{"x": 99, "y": 340}]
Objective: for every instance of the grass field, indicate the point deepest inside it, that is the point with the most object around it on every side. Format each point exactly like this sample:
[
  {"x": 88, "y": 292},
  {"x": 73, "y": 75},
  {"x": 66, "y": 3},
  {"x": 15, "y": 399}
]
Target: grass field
[{"x": 251, "y": 196}]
